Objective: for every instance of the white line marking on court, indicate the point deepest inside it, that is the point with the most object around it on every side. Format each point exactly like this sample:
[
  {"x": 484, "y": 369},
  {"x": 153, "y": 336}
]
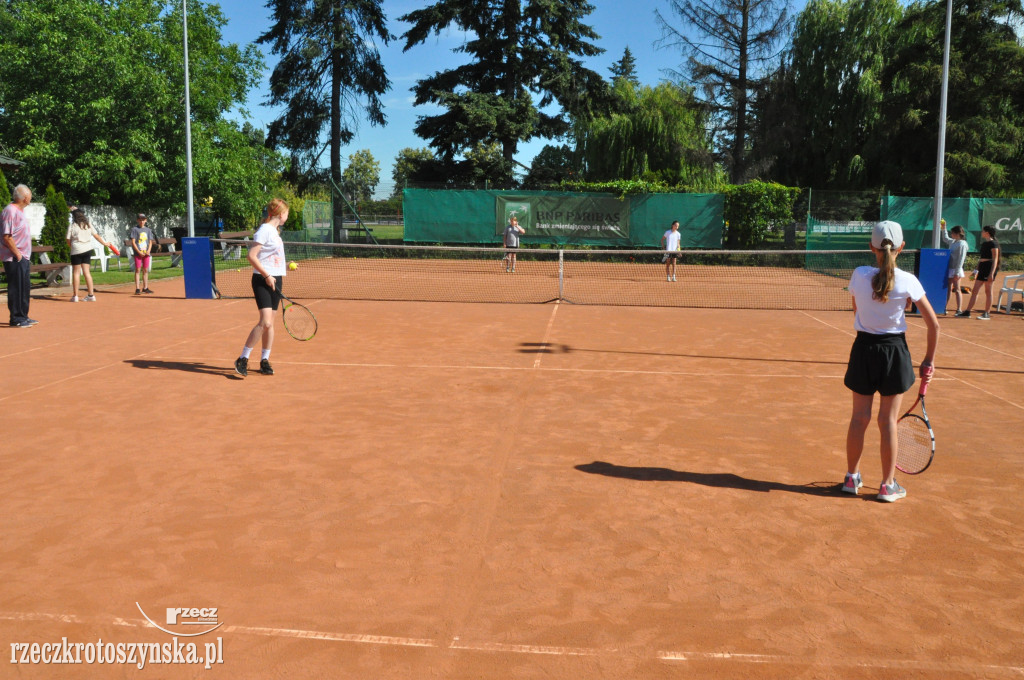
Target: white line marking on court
[
  {"x": 944, "y": 334},
  {"x": 333, "y": 637},
  {"x": 77, "y": 340},
  {"x": 471, "y": 367},
  {"x": 844, "y": 331},
  {"x": 547, "y": 334},
  {"x": 457, "y": 644},
  {"x": 527, "y": 649},
  {"x": 991, "y": 394}
]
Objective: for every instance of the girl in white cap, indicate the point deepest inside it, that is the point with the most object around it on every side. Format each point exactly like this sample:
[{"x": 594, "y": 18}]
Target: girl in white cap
[{"x": 880, "y": 360}]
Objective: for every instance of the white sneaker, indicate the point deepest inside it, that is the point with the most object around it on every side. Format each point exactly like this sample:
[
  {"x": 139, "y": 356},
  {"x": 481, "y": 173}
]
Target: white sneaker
[
  {"x": 668, "y": 278},
  {"x": 90, "y": 298},
  {"x": 74, "y": 298},
  {"x": 673, "y": 278}
]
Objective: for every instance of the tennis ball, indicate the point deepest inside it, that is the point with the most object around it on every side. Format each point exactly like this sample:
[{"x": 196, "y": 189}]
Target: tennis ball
[{"x": 292, "y": 266}]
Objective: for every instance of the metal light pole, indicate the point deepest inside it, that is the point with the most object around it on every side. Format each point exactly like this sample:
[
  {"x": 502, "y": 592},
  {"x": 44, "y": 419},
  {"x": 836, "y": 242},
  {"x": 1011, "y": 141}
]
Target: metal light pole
[
  {"x": 188, "y": 125},
  {"x": 940, "y": 163}
]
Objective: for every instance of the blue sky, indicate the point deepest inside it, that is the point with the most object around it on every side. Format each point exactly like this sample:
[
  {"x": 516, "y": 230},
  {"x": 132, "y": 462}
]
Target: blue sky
[{"x": 620, "y": 23}]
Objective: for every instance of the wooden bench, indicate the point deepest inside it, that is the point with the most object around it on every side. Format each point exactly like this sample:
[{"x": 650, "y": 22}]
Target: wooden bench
[
  {"x": 233, "y": 252},
  {"x": 56, "y": 272}
]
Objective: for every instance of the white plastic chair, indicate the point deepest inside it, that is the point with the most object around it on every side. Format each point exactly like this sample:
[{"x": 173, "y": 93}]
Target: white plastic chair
[
  {"x": 99, "y": 252},
  {"x": 1013, "y": 286}
]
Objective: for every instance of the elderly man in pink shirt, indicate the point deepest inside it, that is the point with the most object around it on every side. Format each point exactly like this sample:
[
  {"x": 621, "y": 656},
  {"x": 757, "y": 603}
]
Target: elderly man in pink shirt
[{"x": 16, "y": 253}]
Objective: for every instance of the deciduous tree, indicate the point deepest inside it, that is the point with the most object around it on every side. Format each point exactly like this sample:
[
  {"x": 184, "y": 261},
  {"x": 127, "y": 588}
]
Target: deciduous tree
[
  {"x": 92, "y": 101},
  {"x": 361, "y": 176}
]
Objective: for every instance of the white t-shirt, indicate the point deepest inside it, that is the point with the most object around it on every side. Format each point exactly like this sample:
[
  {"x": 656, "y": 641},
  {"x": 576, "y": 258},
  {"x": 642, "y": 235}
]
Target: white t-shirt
[
  {"x": 81, "y": 238},
  {"x": 672, "y": 240},
  {"x": 874, "y": 316},
  {"x": 271, "y": 254}
]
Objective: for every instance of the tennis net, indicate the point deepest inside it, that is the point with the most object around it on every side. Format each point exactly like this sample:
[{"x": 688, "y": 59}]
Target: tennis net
[{"x": 764, "y": 279}]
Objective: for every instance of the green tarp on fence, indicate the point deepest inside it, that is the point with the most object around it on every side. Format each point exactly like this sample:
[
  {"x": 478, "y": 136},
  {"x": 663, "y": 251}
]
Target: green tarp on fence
[
  {"x": 549, "y": 217},
  {"x": 915, "y": 215}
]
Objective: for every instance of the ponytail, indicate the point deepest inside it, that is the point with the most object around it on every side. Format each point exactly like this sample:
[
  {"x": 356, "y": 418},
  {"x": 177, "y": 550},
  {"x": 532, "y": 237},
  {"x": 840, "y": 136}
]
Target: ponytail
[{"x": 881, "y": 283}]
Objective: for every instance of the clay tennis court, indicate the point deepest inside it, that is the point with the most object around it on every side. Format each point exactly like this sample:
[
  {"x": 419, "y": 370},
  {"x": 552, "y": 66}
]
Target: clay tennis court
[{"x": 461, "y": 490}]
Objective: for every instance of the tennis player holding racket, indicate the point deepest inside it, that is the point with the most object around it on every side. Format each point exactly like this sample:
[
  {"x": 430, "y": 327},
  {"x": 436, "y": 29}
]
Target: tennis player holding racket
[
  {"x": 266, "y": 256},
  {"x": 880, "y": 360}
]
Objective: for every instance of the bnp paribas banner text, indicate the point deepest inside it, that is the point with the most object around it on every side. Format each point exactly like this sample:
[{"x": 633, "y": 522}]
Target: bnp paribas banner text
[
  {"x": 1008, "y": 221},
  {"x": 565, "y": 218}
]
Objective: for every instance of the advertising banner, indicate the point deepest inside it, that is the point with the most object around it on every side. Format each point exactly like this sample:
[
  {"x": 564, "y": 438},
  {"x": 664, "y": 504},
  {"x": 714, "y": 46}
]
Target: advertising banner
[
  {"x": 565, "y": 218},
  {"x": 1008, "y": 220}
]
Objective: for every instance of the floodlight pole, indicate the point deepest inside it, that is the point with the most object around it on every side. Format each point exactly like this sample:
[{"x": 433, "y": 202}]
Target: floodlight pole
[
  {"x": 940, "y": 163},
  {"x": 188, "y": 125}
]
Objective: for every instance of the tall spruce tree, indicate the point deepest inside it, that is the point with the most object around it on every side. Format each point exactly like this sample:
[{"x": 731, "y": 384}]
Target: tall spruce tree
[
  {"x": 329, "y": 68},
  {"x": 625, "y": 68},
  {"x": 726, "y": 44},
  {"x": 518, "y": 48}
]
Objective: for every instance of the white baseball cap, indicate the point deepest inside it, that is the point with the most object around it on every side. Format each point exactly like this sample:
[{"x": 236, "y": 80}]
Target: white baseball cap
[{"x": 887, "y": 230}]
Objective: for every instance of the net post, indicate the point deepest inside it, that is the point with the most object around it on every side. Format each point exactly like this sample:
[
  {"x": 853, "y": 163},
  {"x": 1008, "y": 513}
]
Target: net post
[{"x": 561, "y": 274}]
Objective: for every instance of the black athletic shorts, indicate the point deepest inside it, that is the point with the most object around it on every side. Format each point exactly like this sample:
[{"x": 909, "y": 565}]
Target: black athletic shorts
[
  {"x": 985, "y": 271},
  {"x": 82, "y": 258},
  {"x": 880, "y": 363},
  {"x": 265, "y": 297}
]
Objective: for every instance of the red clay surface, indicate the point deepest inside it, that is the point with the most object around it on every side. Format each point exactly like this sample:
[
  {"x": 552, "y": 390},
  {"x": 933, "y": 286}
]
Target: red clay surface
[{"x": 501, "y": 491}]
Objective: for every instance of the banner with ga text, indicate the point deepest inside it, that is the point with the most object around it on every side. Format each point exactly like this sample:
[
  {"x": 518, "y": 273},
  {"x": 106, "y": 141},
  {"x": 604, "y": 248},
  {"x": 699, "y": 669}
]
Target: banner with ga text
[{"x": 1008, "y": 220}]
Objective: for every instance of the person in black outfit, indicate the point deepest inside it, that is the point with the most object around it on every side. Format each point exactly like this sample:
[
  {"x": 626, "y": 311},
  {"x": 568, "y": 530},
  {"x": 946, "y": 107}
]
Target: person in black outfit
[{"x": 988, "y": 267}]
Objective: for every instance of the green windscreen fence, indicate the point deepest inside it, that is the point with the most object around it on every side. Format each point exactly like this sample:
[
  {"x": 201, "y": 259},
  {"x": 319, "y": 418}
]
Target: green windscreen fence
[
  {"x": 441, "y": 216},
  {"x": 915, "y": 215}
]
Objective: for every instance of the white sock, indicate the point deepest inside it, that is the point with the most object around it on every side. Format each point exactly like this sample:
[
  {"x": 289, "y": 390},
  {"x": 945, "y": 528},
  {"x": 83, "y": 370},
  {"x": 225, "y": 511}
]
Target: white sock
[
  {"x": 265, "y": 354},
  {"x": 246, "y": 351}
]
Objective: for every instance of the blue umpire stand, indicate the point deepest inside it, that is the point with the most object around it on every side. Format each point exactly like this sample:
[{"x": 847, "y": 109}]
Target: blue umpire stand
[
  {"x": 197, "y": 259},
  {"x": 931, "y": 272}
]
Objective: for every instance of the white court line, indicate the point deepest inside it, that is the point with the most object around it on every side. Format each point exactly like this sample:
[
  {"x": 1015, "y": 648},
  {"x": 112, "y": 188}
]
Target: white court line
[
  {"x": 543, "y": 650},
  {"x": 503, "y": 648},
  {"x": 944, "y": 334},
  {"x": 473, "y": 367},
  {"x": 77, "y": 340},
  {"x": 115, "y": 363},
  {"x": 844, "y": 331},
  {"x": 547, "y": 334}
]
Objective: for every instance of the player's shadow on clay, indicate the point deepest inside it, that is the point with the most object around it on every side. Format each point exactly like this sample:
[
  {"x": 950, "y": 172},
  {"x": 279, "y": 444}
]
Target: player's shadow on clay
[
  {"x": 186, "y": 366},
  {"x": 723, "y": 480}
]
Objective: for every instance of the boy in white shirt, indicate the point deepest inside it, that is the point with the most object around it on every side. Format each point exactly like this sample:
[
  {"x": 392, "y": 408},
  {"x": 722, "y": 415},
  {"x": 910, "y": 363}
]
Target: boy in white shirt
[{"x": 670, "y": 242}]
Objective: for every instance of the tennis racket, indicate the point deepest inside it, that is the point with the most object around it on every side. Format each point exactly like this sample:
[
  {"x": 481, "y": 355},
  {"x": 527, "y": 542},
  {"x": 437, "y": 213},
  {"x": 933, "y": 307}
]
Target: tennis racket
[
  {"x": 916, "y": 441},
  {"x": 298, "y": 320}
]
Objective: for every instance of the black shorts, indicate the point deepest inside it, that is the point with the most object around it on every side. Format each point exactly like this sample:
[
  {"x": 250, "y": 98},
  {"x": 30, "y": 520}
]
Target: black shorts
[
  {"x": 265, "y": 297},
  {"x": 985, "y": 272},
  {"x": 82, "y": 258},
  {"x": 880, "y": 363}
]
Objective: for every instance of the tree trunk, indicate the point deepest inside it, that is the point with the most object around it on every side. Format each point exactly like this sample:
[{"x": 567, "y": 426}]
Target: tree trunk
[{"x": 739, "y": 141}]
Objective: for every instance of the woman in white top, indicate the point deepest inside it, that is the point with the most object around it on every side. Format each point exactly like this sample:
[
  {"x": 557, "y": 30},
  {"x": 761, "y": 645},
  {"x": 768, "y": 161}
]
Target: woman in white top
[
  {"x": 957, "y": 255},
  {"x": 880, "y": 360},
  {"x": 80, "y": 238},
  {"x": 266, "y": 256}
]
